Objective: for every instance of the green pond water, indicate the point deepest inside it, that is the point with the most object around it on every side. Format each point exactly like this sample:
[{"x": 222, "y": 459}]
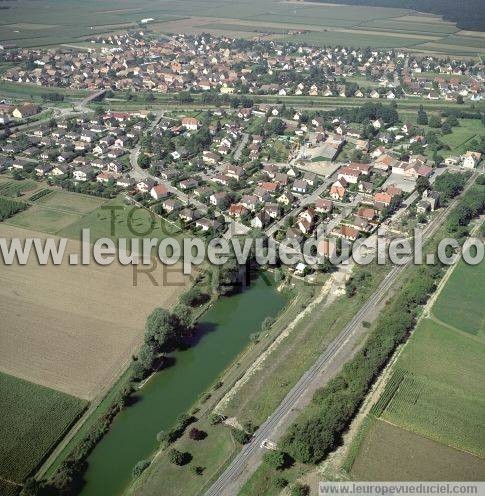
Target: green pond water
[{"x": 225, "y": 331}]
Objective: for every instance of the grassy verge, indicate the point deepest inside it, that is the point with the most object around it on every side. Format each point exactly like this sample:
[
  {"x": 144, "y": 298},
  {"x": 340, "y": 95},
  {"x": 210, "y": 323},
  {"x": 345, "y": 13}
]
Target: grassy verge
[{"x": 282, "y": 368}]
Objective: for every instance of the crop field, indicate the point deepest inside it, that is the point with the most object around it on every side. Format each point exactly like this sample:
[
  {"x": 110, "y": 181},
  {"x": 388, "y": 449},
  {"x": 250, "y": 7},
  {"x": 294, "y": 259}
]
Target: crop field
[
  {"x": 71, "y": 202},
  {"x": 33, "y": 420},
  {"x": 66, "y": 327},
  {"x": 391, "y": 453},
  {"x": 16, "y": 188},
  {"x": 444, "y": 382},
  {"x": 438, "y": 381},
  {"x": 44, "y": 219},
  {"x": 66, "y": 214},
  {"x": 467, "y": 313},
  {"x": 52, "y": 23}
]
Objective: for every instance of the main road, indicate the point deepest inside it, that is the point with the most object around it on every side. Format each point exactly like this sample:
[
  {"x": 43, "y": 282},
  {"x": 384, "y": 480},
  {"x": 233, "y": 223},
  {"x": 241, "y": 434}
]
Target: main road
[{"x": 328, "y": 363}]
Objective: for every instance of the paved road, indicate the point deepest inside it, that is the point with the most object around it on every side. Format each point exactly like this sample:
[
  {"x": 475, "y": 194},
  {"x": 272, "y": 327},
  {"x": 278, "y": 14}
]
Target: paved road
[
  {"x": 336, "y": 354},
  {"x": 304, "y": 202},
  {"x": 240, "y": 147}
]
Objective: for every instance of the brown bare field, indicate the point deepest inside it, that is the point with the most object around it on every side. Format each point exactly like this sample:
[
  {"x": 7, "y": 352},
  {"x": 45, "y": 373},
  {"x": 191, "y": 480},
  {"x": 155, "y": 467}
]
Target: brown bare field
[{"x": 75, "y": 328}]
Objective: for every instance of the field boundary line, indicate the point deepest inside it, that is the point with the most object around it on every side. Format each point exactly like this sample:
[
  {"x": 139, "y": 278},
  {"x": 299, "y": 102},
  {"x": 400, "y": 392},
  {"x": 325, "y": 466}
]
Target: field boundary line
[
  {"x": 467, "y": 334},
  {"x": 430, "y": 438}
]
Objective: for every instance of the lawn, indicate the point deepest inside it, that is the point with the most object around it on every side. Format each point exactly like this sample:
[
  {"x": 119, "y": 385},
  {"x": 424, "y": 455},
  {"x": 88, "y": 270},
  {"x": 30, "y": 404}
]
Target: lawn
[
  {"x": 210, "y": 453},
  {"x": 43, "y": 219},
  {"x": 116, "y": 220},
  {"x": 463, "y": 134},
  {"x": 34, "y": 419},
  {"x": 71, "y": 202},
  {"x": 467, "y": 313}
]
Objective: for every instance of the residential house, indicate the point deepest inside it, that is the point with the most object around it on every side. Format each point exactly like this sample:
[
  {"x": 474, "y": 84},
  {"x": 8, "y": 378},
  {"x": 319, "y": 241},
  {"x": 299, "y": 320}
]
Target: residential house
[
  {"x": 471, "y": 159},
  {"x": 323, "y": 206},
  {"x": 187, "y": 184},
  {"x": 207, "y": 224},
  {"x": 145, "y": 185},
  {"x": 300, "y": 186},
  {"x": 219, "y": 199},
  {"x": 190, "y": 123},
  {"x": 260, "y": 220},
  {"x": 237, "y": 210},
  {"x": 338, "y": 190},
  {"x": 159, "y": 192}
]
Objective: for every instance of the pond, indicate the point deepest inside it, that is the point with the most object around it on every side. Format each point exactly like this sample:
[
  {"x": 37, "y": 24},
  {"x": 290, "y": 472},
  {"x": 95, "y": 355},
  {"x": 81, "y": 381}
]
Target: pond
[{"x": 225, "y": 330}]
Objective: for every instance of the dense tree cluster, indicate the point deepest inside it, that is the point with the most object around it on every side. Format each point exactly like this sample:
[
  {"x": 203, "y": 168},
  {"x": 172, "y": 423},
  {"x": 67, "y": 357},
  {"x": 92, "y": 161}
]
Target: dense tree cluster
[
  {"x": 468, "y": 14},
  {"x": 450, "y": 184}
]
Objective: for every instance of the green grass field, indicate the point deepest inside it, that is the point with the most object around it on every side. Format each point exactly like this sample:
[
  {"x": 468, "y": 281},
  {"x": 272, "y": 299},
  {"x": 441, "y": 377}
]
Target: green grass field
[
  {"x": 71, "y": 202},
  {"x": 436, "y": 397},
  {"x": 262, "y": 481},
  {"x": 463, "y": 313},
  {"x": 34, "y": 418},
  {"x": 468, "y": 130},
  {"x": 210, "y": 453},
  {"x": 43, "y": 219},
  {"x": 116, "y": 220},
  {"x": 56, "y": 211}
]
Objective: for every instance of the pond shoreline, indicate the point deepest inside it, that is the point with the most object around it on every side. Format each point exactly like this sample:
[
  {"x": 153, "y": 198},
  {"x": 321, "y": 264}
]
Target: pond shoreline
[{"x": 213, "y": 334}]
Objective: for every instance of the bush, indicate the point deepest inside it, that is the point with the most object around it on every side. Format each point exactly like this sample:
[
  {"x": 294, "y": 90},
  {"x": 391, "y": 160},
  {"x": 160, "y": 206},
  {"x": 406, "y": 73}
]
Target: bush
[
  {"x": 194, "y": 297},
  {"x": 198, "y": 470},
  {"x": 215, "y": 418},
  {"x": 241, "y": 436},
  {"x": 197, "y": 434},
  {"x": 277, "y": 459},
  {"x": 300, "y": 490},
  {"x": 179, "y": 457},
  {"x": 139, "y": 468},
  {"x": 40, "y": 194},
  {"x": 173, "y": 434},
  {"x": 9, "y": 207},
  {"x": 280, "y": 482},
  {"x": 267, "y": 323}
]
